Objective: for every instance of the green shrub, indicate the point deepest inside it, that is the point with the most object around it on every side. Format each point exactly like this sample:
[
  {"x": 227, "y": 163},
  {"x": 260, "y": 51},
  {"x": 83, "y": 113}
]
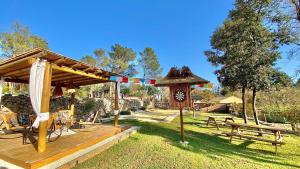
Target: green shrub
[
  {"x": 88, "y": 105},
  {"x": 146, "y": 103},
  {"x": 275, "y": 114}
]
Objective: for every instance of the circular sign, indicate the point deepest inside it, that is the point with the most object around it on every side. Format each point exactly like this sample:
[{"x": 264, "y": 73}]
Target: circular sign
[{"x": 179, "y": 95}]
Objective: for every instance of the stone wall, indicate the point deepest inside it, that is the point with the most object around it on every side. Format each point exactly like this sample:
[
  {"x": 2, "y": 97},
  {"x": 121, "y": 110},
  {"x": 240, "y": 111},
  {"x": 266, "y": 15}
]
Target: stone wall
[{"x": 21, "y": 104}]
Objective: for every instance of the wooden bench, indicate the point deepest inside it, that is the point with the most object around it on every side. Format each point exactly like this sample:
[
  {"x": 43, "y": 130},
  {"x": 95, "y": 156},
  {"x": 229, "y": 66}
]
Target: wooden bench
[
  {"x": 248, "y": 132},
  {"x": 214, "y": 120}
]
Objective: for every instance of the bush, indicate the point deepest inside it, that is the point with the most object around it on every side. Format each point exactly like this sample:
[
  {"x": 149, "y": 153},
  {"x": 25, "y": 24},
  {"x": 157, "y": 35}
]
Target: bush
[
  {"x": 146, "y": 103},
  {"x": 89, "y": 105},
  {"x": 275, "y": 114}
]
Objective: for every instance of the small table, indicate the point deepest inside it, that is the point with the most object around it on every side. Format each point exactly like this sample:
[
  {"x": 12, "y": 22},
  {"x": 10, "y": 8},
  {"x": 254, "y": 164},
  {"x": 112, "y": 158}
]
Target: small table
[{"x": 213, "y": 119}]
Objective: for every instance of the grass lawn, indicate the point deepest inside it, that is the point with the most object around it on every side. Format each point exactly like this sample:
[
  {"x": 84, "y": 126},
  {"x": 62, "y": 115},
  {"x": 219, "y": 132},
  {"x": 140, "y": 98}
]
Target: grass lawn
[{"x": 157, "y": 145}]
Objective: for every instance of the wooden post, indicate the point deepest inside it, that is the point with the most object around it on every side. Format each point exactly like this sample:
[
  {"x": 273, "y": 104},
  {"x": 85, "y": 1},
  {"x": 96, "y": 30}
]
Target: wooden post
[
  {"x": 72, "y": 101},
  {"x": 116, "y": 103},
  {"x": 45, "y": 107},
  {"x": 181, "y": 125}
]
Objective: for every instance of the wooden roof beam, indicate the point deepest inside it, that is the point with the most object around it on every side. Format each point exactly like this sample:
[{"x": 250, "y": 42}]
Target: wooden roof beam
[
  {"x": 74, "y": 65},
  {"x": 78, "y": 72},
  {"x": 69, "y": 77},
  {"x": 58, "y": 60},
  {"x": 12, "y": 73}
]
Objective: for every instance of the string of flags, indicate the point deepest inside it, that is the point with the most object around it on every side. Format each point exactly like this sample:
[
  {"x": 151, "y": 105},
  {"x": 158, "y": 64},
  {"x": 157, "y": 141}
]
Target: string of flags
[
  {"x": 125, "y": 79},
  {"x": 203, "y": 86}
]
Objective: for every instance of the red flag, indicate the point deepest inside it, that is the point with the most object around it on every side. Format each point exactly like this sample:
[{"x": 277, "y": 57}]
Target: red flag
[
  {"x": 201, "y": 85},
  {"x": 125, "y": 79},
  {"x": 152, "y": 81}
]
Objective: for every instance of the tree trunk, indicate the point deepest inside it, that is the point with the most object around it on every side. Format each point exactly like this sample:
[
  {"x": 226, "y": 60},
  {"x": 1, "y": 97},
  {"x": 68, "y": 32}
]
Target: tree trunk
[
  {"x": 244, "y": 104},
  {"x": 253, "y": 105}
]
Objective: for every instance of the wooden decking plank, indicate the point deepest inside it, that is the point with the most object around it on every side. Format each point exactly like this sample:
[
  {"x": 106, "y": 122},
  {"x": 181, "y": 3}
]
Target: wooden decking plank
[{"x": 13, "y": 151}]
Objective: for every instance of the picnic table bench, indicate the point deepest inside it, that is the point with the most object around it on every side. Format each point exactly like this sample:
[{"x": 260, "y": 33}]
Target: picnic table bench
[
  {"x": 247, "y": 131},
  {"x": 216, "y": 120}
]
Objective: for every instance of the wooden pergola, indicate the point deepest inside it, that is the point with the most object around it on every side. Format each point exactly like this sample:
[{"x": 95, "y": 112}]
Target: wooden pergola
[{"x": 59, "y": 70}]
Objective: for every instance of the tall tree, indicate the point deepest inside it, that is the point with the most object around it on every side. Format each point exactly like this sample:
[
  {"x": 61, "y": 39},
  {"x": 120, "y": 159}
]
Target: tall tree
[
  {"x": 89, "y": 60},
  {"x": 120, "y": 58},
  {"x": 297, "y": 84},
  {"x": 296, "y": 4},
  {"x": 19, "y": 40},
  {"x": 246, "y": 46},
  {"x": 280, "y": 79},
  {"x": 149, "y": 63}
]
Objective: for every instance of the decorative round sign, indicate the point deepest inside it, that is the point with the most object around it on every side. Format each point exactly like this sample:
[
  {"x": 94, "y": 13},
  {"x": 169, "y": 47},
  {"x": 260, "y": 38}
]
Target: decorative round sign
[{"x": 179, "y": 95}]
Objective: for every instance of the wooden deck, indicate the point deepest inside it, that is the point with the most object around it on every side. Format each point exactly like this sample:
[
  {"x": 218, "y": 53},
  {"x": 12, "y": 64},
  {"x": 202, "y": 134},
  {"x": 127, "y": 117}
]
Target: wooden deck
[{"x": 13, "y": 151}]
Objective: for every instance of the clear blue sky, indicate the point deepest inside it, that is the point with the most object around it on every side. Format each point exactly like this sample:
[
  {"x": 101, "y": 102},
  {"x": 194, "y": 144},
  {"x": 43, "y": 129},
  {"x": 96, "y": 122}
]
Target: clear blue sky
[{"x": 178, "y": 31}]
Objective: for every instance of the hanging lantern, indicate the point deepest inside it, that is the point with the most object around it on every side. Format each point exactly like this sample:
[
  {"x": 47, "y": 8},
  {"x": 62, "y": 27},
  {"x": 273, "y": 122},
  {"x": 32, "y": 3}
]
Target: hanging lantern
[{"x": 57, "y": 91}]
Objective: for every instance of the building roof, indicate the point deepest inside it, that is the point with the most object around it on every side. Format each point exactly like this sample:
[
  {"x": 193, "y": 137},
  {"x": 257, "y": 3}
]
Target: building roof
[
  {"x": 224, "y": 100},
  {"x": 181, "y": 76},
  {"x": 64, "y": 69}
]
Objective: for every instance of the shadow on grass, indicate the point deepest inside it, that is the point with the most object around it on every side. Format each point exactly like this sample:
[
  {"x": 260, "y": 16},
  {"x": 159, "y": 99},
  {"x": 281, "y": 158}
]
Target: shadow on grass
[{"x": 210, "y": 145}]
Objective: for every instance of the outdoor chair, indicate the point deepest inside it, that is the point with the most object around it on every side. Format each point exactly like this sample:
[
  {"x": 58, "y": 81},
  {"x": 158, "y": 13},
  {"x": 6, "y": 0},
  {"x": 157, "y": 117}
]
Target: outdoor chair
[
  {"x": 90, "y": 119},
  {"x": 10, "y": 123},
  {"x": 66, "y": 118},
  {"x": 54, "y": 129}
]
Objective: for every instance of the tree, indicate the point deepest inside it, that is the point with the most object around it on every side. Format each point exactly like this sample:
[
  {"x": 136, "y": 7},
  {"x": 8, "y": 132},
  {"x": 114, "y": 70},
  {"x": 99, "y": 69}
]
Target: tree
[
  {"x": 226, "y": 91},
  {"x": 297, "y": 84},
  {"x": 19, "y": 40},
  {"x": 149, "y": 63},
  {"x": 296, "y": 4},
  {"x": 120, "y": 58},
  {"x": 203, "y": 95},
  {"x": 246, "y": 46},
  {"x": 280, "y": 79},
  {"x": 89, "y": 60},
  {"x": 124, "y": 91}
]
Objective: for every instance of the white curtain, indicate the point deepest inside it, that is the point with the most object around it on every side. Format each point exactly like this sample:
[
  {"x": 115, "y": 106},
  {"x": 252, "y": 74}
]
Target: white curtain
[
  {"x": 35, "y": 90},
  {"x": 1, "y": 88},
  {"x": 116, "y": 112}
]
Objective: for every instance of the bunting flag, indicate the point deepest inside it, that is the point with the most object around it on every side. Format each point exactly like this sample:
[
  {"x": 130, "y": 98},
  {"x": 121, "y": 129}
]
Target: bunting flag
[
  {"x": 125, "y": 79},
  {"x": 203, "y": 86},
  {"x": 136, "y": 80}
]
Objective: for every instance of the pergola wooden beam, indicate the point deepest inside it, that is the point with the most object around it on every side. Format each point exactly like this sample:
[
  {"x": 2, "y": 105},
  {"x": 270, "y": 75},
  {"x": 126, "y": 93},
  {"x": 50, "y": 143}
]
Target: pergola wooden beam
[
  {"x": 16, "y": 72},
  {"x": 76, "y": 64},
  {"x": 68, "y": 80},
  {"x": 58, "y": 78},
  {"x": 58, "y": 60},
  {"x": 78, "y": 72}
]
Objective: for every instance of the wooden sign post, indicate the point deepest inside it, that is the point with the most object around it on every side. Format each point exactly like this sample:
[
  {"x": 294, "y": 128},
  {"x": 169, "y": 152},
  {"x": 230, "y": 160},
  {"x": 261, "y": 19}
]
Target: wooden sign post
[
  {"x": 179, "y": 81},
  {"x": 180, "y": 100}
]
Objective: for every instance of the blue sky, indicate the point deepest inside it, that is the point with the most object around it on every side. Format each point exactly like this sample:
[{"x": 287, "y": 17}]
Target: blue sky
[{"x": 178, "y": 31}]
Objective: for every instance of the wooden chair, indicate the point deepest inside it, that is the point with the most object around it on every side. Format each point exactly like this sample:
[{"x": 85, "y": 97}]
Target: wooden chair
[
  {"x": 90, "y": 120},
  {"x": 54, "y": 129},
  {"x": 10, "y": 122},
  {"x": 66, "y": 118}
]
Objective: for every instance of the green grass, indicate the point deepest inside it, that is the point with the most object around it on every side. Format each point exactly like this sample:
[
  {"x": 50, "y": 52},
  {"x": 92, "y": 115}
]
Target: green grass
[{"x": 157, "y": 145}]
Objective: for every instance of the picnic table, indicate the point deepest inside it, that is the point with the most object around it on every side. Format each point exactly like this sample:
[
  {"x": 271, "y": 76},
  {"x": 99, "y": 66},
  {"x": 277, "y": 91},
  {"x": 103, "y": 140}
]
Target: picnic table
[
  {"x": 239, "y": 130},
  {"x": 217, "y": 119}
]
